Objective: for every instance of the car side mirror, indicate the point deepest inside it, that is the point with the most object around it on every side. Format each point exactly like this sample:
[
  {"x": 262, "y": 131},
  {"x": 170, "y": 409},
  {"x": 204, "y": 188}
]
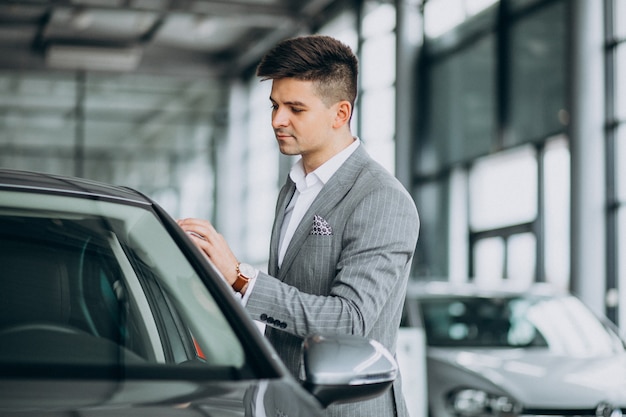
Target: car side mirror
[{"x": 346, "y": 368}]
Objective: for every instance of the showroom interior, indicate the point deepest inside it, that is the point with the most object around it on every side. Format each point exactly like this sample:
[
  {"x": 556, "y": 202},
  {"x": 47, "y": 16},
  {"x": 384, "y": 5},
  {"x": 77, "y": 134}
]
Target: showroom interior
[{"x": 505, "y": 120}]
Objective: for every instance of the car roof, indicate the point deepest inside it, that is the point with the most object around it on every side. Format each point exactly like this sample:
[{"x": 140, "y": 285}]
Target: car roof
[
  {"x": 441, "y": 289},
  {"x": 40, "y": 182}
]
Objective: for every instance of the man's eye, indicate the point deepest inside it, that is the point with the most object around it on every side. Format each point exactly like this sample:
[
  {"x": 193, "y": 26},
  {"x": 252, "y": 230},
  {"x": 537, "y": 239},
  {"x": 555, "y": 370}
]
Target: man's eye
[{"x": 296, "y": 110}]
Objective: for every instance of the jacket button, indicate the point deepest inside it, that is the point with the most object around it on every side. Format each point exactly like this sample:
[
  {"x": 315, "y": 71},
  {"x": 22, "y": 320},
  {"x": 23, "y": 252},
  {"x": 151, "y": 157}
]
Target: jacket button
[{"x": 263, "y": 317}]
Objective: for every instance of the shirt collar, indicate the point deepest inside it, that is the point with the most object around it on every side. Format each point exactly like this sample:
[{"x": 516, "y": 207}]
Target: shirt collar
[{"x": 323, "y": 172}]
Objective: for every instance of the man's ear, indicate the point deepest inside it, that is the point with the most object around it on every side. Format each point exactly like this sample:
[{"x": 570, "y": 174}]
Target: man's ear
[{"x": 342, "y": 114}]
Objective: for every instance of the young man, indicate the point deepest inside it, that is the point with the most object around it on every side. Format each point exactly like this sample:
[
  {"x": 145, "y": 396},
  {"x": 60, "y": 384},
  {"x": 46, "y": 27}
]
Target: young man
[{"x": 345, "y": 229}]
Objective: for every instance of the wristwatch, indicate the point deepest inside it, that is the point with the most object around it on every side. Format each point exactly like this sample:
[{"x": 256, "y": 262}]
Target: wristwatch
[{"x": 245, "y": 273}]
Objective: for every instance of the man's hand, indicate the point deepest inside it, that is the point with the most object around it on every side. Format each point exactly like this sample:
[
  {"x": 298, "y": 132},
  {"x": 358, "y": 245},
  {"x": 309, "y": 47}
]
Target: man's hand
[{"x": 213, "y": 245}]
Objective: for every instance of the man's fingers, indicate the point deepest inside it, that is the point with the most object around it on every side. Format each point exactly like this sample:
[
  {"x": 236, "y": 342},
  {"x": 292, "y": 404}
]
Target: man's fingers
[
  {"x": 202, "y": 229},
  {"x": 196, "y": 234}
]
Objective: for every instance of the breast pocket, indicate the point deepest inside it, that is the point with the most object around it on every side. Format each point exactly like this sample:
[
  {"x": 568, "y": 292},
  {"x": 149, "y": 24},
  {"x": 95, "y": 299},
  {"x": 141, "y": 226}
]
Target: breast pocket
[
  {"x": 318, "y": 241},
  {"x": 316, "y": 265}
]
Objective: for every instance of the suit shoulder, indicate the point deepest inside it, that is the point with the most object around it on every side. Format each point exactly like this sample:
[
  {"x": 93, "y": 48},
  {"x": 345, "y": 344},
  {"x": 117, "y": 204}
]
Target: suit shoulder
[
  {"x": 378, "y": 176},
  {"x": 377, "y": 182}
]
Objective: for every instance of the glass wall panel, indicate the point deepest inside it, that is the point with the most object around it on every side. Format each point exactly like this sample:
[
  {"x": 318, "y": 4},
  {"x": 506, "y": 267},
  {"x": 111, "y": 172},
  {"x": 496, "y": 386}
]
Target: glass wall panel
[
  {"x": 431, "y": 260},
  {"x": 538, "y": 75},
  {"x": 378, "y": 108},
  {"x": 620, "y": 82},
  {"x": 503, "y": 189},
  {"x": 262, "y": 176},
  {"x": 521, "y": 4},
  {"x": 440, "y": 16},
  {"x": 459, "y": 226},
  {"x": 128, "y": 129},
  {"x": 476, "y": 6},
  {"x": 379, "y": 18},
  {"x": 621, "y": 265},
  {"x": 616, "y": 122},
  {"x": 378, "y": 61},
  {"x": 521, "y": 258},
  {"x": 619, "y": 7},
  {"x": 461, "y": 118},
  {"x": 620, "y": 163},
  {"x": 343, "y": 27},
  {"x": 463, "y": 122},
  {"x": 450, "y": 19},
  {"x": 557, "y": 202},
  {"x": 377, "y": 88},
  {"x": 489, "y": 260},
  {"x": 36, "y": 112},
  {"x": 156, "y": 112}
]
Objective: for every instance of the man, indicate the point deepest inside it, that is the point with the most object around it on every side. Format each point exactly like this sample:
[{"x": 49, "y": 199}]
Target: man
[{"x": 345, "y": 229}]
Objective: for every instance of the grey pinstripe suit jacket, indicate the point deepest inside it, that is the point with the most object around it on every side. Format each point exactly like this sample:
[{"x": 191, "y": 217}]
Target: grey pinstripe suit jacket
[{"x": 351, "y": 281}]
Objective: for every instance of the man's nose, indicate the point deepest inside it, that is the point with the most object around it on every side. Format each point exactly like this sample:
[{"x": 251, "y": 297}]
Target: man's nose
[{"x": 280, "y": 118}]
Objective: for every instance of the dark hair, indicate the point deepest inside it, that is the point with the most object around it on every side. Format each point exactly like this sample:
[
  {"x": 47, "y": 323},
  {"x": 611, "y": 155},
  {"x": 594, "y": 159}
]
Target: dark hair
[{"x": 324, "y": 60}]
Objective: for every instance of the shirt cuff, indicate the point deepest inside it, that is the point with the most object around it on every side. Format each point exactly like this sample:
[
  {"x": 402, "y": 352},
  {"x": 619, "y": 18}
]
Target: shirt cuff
[{"x": 244, "y": 298}]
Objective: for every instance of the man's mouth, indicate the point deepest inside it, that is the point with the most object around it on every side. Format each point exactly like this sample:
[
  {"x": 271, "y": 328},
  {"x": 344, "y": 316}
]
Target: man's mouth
[{"x": 282, "y": 135}]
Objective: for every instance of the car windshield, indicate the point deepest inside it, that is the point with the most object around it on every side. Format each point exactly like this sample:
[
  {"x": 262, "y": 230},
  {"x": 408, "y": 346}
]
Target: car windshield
[
  {"x": 91, "y": 282},
  {"x": 562, "y": 324}
]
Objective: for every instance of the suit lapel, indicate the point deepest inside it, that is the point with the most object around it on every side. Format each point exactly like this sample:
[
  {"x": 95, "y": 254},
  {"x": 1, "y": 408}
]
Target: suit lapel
[
  {"x": 284, "y": 197},
  {"x": 332, "y": 193}
]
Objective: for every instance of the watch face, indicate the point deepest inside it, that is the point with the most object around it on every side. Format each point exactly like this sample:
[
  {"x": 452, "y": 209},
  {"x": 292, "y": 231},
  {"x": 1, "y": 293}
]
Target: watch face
[{"x": 246, "y": 270}]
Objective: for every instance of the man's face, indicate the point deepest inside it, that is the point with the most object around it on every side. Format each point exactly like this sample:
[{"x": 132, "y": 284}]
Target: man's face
[{"x": 302, "y": 123}]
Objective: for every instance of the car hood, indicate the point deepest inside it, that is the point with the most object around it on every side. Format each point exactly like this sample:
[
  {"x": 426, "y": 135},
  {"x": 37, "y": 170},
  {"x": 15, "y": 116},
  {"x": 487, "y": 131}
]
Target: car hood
[
  {"x": 155, "y": 399},
  {"x": 538, "y": 378}
]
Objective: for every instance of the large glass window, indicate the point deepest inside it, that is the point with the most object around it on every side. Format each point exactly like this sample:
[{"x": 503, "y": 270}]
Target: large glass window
[
  {"x": 461, "y": 114},
  {"x": 620, "y": 82},
  {"x": 441, "y": 16},
  {"x": 37, "y": 111},
  {"x": 431, "y": 260},
  {"x": 537, "y": 52},
  {"x": 621, "y": 266},
  {"x": 521, "y": 261},
  {"x": 503, "y": 203},
  {"x": 489, "y": 263},
  {"x": 135, "y": 130},
  {"x": 493, "y": 113},
  {"x": 557, "y": 202},
  {"x": 378, "y": 77},
  {"x": 503, "y": 189},
  {"x": 261, "y": 181},
  {"x": 620, "y": 166},
  {"x": 616, "y": 122}
]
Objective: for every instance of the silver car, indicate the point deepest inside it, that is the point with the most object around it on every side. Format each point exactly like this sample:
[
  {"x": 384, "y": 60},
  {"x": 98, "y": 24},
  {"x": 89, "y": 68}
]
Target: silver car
[
  {"x": 507, "y": 352},
  {"x": 108, "y": 309}
]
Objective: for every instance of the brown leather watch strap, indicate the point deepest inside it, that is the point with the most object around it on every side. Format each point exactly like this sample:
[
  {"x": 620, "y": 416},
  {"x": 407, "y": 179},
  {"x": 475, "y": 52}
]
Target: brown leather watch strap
[{"x": 241, "y": 281}]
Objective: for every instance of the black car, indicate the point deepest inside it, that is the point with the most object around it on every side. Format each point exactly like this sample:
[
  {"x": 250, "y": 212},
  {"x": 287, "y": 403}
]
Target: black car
[{"x": 108, "y": 309}]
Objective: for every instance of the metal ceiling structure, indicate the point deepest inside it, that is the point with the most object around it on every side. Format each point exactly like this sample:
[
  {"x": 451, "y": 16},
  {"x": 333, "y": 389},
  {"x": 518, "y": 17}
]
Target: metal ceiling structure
[
  {"x": 224, "y": 37},
  {"x": 118, "y": 89}
]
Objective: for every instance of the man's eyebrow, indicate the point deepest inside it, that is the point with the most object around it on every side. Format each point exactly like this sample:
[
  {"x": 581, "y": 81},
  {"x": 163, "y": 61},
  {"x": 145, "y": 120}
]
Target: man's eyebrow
[{"x": 290, "y": 103}]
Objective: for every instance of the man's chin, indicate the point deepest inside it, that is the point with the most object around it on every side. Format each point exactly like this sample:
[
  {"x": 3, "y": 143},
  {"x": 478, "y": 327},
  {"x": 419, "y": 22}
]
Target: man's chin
[{"x": 288, "y": 150}]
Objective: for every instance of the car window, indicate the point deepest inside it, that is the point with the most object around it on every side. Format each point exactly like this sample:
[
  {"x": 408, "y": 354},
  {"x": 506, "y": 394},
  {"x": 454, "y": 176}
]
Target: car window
[
  {"x": 95, "y": 282},
  {"x": 562, "y": 324}
]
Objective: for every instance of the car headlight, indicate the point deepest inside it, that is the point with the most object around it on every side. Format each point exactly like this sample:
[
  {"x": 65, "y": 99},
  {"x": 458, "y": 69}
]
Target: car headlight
[{"x": 478, "y": 403}]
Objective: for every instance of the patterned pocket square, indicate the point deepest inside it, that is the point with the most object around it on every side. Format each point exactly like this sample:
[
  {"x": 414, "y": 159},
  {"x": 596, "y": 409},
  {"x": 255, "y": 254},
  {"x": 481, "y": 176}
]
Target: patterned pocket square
[{"x": 320, "y": 227}]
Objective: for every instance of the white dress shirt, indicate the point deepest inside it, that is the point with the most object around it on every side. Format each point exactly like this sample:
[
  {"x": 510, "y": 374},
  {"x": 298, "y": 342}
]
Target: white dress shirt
[{"x": 307, "y": 188}]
